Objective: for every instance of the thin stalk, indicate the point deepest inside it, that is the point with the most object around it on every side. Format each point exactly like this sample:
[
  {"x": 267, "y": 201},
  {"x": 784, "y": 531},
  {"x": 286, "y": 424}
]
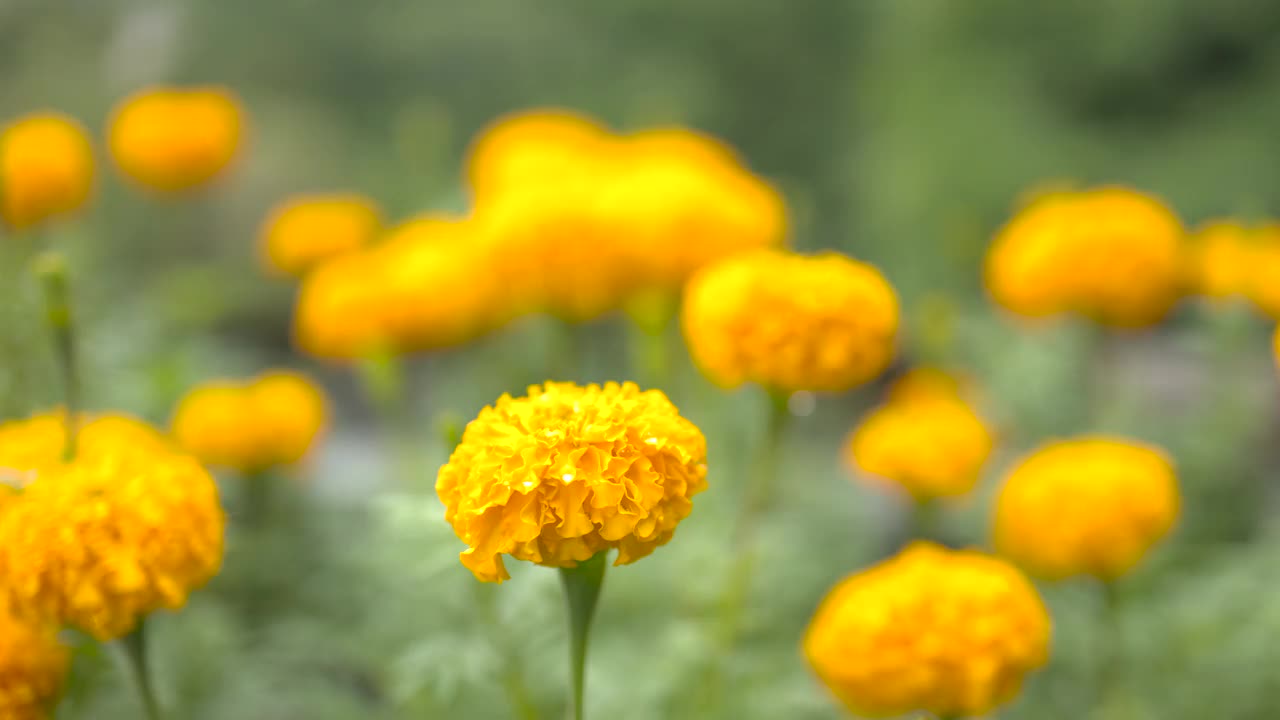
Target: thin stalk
[
  {"x": 926, "y": 521},
  {"x": 1110, "y": 661},
  {"x": 381, "y": 375},
  {"x": 51, "y": 269},
  {"x": 582, "y": 586},
  {"x": 134, "y": 648},
  {"x": 761, "y": 489}
]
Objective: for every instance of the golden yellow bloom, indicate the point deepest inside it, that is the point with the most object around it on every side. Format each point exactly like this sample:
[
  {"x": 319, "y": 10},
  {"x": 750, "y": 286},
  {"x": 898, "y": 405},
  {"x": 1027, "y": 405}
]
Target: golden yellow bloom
[
  {"x": 175, "y": 139},
  {"x": 568, "y": 472},
  {"x": 429, "y": 285},
  {"x": 1218, "y": 261},
  {"x": 46, "y": 169},
  {"x": 933, "y": 630},
  {"x": 269, "y": 421},
  {"x": 128, "y": 527},
  {"x": 33, "y": 666},
  {"x": 926, "y": 438},
  {"x": 1089, "y": 506},
  {"x": 1263, "y": 278},
  {"x": 790, "y": 322},
  {"x": 531, "y": 148},
  {"x": 1109, "y": 254},
  {"x": 305, "y": 231}
]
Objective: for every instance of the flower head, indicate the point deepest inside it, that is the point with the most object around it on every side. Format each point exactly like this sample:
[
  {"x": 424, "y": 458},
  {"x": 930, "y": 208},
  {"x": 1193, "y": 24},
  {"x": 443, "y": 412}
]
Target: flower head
[
  {"x": 46, "y": 169},
  {"x": 790, "y": 322},
  {"x": 176, "y": 139},
  {"x": 570, "y": 471},
  {"x": 305, "y": 231},
  {"x": 1110, "y": 254},
  {"x": 926, "y": 438},
  {"x": 935, "y": 630},
  {"x": 1088, "y": 506},
  {"x": 127, "y": 527},
  {"x": 270, "y": 421},
  {"x": 33, "y": 666},
  {"x": 531, "y": 148}
]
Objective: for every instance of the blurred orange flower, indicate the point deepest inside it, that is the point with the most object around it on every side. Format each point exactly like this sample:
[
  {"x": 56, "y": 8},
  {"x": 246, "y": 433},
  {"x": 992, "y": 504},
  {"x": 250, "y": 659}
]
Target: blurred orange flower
[
  {"x": 304, "y": 231},
  {"x": 174, "y": 139},
  {"x": 46, "y": 169}
]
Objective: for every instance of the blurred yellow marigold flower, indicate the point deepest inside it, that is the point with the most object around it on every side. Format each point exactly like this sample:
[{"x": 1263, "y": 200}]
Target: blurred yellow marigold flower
[
  {"x": 46, "y": 169},
  {"x": 33, "y": 667},
  {"x": 305, "y": 231},
  {"x": 428, "y": 285},
  {"x": 1088, "y": 506},
  {"x": 127, "y": 527},
  {"x": 926, "y": 439},
  {"x": 1262, "y": 280},
  {"x": 531, "y": 148},
  {"x": 174, "y": 139},
  {"x": 1109, "y": 254},
  {"x": 570, "y": 471},
  {"x": 251, "y": 426},
  {"x": 790, "y": 322},
  {"x": 951, "y": 633},
  {"x": 1218, "y": 261}
]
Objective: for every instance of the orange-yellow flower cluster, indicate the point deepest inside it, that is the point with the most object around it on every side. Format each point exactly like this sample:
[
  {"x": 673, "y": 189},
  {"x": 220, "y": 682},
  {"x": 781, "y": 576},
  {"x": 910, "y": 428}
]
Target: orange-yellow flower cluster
[
  {"x": 172, "y": 139},
  {"x": 582, "y": 220},
  {"x": 790, "y": 322},
  {"x": 926, "y": 439},
  {"x": 251, "y": 426},
  {"x": 570, "y": 471},
  {"x": 1109, "y": 254},
  {"x": 130, "y": 525},
  {"x": 305, "y": 231},
  {"x": 951, "y": 633},
  {"x": 428, "y": 285},
  {"x": 1228, "y": 260},
  {"x": 33, "y": 666},
  {"x": 46, "y": 169},
  {"x": 1089, "y": 506}
]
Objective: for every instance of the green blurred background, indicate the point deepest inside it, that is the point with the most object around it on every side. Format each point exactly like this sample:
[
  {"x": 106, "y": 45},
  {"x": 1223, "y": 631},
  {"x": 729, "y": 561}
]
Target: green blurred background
[{"x": 900, "y": 132}]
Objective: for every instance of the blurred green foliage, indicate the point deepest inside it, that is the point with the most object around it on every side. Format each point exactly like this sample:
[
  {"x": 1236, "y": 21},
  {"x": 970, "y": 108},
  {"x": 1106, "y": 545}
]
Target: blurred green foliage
[{"x": 901, "y": 132}]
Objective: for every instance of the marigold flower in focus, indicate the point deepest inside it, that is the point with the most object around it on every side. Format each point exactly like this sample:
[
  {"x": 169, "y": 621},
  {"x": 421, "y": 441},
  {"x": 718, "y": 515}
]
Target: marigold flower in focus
[
  {"x": 1109, "y": 254},
  {"x": 174, "y": 139},
  {"x": 790, "y": 322},
  {"x": 127, "y": 527},
  {"x": 429, "y": 285},
  {"x": 46, "y": 169},
  {"x": 570, "y": 471},
  {"x": 1089, "y": 506},
  {"x": 305, "y": 231},
  {"x": 951, "y": 633},
  {"x": 33, "y": 667},
  {"x": 270, "y": 421},
  {"x": 926, "y": 438}
]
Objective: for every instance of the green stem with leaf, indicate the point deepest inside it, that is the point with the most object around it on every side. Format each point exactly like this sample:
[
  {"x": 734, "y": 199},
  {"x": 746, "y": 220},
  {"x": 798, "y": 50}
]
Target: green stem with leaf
[{"x": 582, "y": 585}]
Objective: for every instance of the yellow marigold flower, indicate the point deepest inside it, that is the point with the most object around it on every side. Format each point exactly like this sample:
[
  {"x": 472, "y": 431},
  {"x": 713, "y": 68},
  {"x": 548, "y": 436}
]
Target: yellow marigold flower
[
  {"x": 127, "y": 527},
  {"x": 46, "y": 169},
  {"x": 1218, "y": 262},
  {"x": 269, "y": 421},
  {"x": 531, "y": 148},
  {"x": 947, "y": 632},
  {"x": 1089, "y": 506},
  {"x": 175, "y": 139},
  {"x": 568, "y": 472},
  {"x": 926, "y": 438},
  {"x": 33, "y": 666},
  {"x": 429, "y": 285},
  {"x": 305, "y": 231},
  {"x": 1110, "y": 254},
  {"x": 790, "y": 322},
  {"x": 1263, "y": 280}
]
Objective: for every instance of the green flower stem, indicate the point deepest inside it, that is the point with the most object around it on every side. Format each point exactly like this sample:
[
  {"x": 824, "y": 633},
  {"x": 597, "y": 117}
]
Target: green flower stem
[
  {"x": 582, "y": 586},
  {"x": 51, "y": 269},
  {"x": 760, "y": 492},
  {"x": 926, "y": 521},
  {"x": 381, "y": 375},
  {"x": 134, "y": 648},
  {"x": 1110, "y": 660}
]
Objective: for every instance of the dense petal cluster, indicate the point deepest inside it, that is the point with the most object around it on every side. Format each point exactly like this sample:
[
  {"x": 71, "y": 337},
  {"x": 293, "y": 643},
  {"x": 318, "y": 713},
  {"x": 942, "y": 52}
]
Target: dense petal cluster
[
  {"x": 1089, "y": 506},
  {"x": 1230, "y": 260},
  {"x": 46, "y": 169},
  {"x": 926, "y": 439},
  {"x": 582, "y": 219},
  {"x": 933, "y": 630},
  {"x": 428, "y": 285},
  {"x": 305, "y": 231},
  {"x": 33, "y": 666},
  {"x": 251, "y": 426},
  {"x": 127, "y": 527},
  {"x": 174, "y": 139},
  {"x": 790, "y": 322},
  {"x": 569, "y": 471},
  {"x": 1109, "y": 254}
]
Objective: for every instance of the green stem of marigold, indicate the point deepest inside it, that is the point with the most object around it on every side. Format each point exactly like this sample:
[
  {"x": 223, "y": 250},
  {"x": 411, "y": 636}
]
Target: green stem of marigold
[
  {"x": 381, "y": 375},
  {"x": 51, "y": 269},
  {"x": 582, "y": 586},
  {"x": 1110, "y": 646},
  {"x": 926, "y": 521},
  {"x": 134, "y": 648}
]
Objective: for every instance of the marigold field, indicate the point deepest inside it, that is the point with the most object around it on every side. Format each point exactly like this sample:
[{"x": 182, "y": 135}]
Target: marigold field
[{"x": 639, "y": 360}]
